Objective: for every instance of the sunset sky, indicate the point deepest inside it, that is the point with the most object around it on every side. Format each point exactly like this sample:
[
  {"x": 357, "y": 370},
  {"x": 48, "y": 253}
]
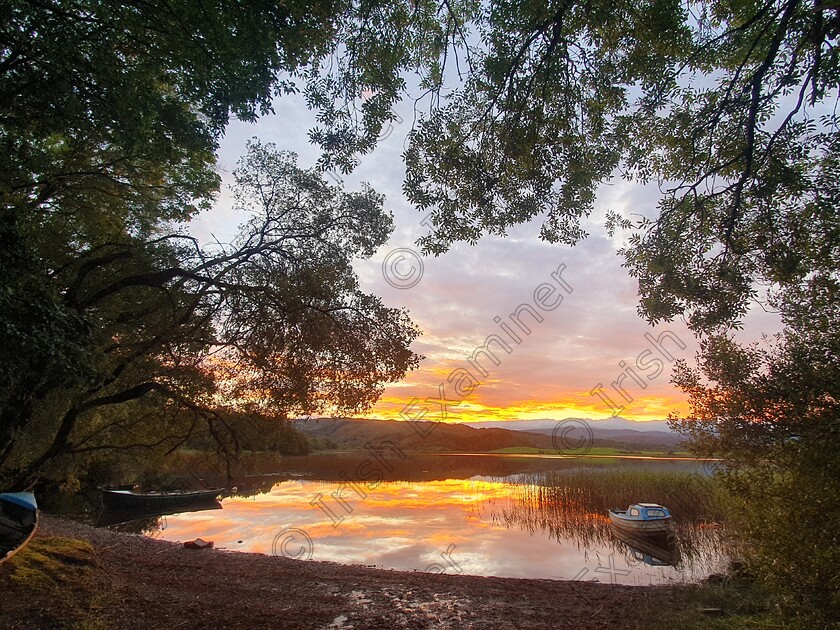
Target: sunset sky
[{"x": 591, "y": 338}]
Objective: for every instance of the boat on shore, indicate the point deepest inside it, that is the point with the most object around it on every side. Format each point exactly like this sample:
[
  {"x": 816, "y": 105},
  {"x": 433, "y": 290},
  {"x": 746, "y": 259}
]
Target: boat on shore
[
  {"x": 18, "y": 522},
  {"x": 642, "y": 518},
  {"x": 158, "y": 501}
]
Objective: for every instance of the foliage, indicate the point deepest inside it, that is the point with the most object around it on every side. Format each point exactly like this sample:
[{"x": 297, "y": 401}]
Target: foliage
[
  {"x": 197, "y": 341},
  {"x": 772, "y": 413},
  {"x": 109, "y": 119},
  {"x": 362, "y": 73},
  {"x": 727, "y": 106},
  {"x": 257, "y": 434},
  {"x": 734, "y": 603}
]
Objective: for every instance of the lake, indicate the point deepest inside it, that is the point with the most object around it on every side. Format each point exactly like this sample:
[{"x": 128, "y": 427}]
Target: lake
[{"x": 511, "y": 516}]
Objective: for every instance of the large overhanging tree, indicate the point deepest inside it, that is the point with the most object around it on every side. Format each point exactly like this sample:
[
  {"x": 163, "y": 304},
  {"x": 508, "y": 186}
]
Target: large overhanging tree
[
  {"x": 729, "y": 106},
  {"x": 189, "y": 338},
  {"x": 110, "y": 115}
]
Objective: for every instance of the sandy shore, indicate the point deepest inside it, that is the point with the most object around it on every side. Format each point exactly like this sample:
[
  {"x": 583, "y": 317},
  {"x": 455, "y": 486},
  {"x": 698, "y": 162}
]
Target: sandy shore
[{"x": 137, "y": 582}]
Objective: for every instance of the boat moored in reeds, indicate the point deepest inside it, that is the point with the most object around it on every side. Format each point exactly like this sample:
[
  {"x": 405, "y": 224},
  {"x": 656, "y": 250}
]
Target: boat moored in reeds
[{"x": 642, "y": 517}]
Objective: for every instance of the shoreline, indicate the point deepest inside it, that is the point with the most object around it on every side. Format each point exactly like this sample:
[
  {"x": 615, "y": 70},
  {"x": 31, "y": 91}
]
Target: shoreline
[{"x": 140, "y": 582}]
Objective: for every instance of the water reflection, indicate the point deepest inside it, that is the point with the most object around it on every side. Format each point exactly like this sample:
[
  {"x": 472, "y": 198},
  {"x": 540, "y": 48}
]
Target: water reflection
[
  {"x": 146, "y": 521},
  {"x": 536, "y": 519},
  {"x": 658, "y": 549},
  {"x": 574, "y": 516}
]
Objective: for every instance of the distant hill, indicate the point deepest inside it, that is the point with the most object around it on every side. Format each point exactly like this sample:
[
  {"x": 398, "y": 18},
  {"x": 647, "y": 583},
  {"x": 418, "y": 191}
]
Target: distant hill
[{"x": 357, "y": 434}]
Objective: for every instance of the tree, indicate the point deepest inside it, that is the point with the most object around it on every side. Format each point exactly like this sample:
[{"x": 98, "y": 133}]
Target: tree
[
  {"x": 116, "y": 109},
  {"x": 772, "y": 414},
  {"x": 190, "y": 339},
  {"x": 110, "y": 115},
  {"x": 728, "y": 106},
  {"x": 109, "y": 118}
]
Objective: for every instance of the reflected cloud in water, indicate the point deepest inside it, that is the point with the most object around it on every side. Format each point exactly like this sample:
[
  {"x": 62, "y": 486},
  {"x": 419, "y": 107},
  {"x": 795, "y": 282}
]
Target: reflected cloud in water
[{"x": 498, "y": 527}]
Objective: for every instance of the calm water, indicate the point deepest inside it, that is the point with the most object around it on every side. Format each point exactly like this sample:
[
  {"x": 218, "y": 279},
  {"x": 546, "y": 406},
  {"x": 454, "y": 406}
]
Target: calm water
[{"x": 502, "y": 516}]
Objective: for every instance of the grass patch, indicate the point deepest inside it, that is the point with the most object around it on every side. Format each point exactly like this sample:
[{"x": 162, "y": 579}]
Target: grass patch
[
  {"x": 731, "y": 604},
  {"x": 51, "y": 562},
  {"x": 58, "y": 581}
]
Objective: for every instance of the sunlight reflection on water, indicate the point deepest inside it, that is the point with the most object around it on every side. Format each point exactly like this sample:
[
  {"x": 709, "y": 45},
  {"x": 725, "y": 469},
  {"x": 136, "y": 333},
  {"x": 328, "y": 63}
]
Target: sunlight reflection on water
[{"x": 511, "y": 527}]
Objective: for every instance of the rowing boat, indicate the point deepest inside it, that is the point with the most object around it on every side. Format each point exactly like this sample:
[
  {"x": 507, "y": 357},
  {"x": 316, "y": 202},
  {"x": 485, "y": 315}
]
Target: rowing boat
[{"x": 130, "y": 500}]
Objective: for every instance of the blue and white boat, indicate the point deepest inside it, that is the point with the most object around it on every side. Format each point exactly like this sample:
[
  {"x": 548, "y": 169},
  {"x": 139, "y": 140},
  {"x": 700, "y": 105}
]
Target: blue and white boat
[
  {"x": 18, "y": 522},
  {"x": 642, "y": 518}
]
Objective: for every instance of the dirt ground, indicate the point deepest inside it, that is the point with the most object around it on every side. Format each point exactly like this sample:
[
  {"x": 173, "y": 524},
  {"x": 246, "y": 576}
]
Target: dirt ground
[{"x": 129, "y": 581}]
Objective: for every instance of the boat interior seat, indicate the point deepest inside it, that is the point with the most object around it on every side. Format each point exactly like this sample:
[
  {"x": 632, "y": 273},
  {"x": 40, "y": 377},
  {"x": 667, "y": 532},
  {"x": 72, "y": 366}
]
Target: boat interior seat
[{"x": 12, "y": 516}]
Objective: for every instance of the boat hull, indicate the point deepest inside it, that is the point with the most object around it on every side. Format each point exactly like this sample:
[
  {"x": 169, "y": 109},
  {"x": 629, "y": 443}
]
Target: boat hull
[
  {"x": 157, "y": 501},
  {"x": 640, "y": 526},
  {"x": 18, "y": 523}
]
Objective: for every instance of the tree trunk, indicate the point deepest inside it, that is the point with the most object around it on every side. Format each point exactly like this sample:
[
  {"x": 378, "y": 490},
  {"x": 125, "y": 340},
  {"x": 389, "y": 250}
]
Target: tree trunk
[{"x": 26, "y": 478}]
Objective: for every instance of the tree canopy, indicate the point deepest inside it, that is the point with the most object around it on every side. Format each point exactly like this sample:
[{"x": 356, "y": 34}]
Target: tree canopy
[
  {"x": 185, "y": 337},
  {"x": 117, "y": 328},
  {"x": 525, "y": 109}
]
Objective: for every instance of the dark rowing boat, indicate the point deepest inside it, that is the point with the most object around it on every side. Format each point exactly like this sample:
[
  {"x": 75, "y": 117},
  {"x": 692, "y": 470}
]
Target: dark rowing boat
[
  {"x": 154, "y": 501},
  {"x": 18, "y": 522}
]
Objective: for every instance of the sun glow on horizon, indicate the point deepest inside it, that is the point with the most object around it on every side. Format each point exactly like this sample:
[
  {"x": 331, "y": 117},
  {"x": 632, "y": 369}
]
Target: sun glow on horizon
[
  {"x": 554, "y": 378},
  {"x": 643, "y": 409}
]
